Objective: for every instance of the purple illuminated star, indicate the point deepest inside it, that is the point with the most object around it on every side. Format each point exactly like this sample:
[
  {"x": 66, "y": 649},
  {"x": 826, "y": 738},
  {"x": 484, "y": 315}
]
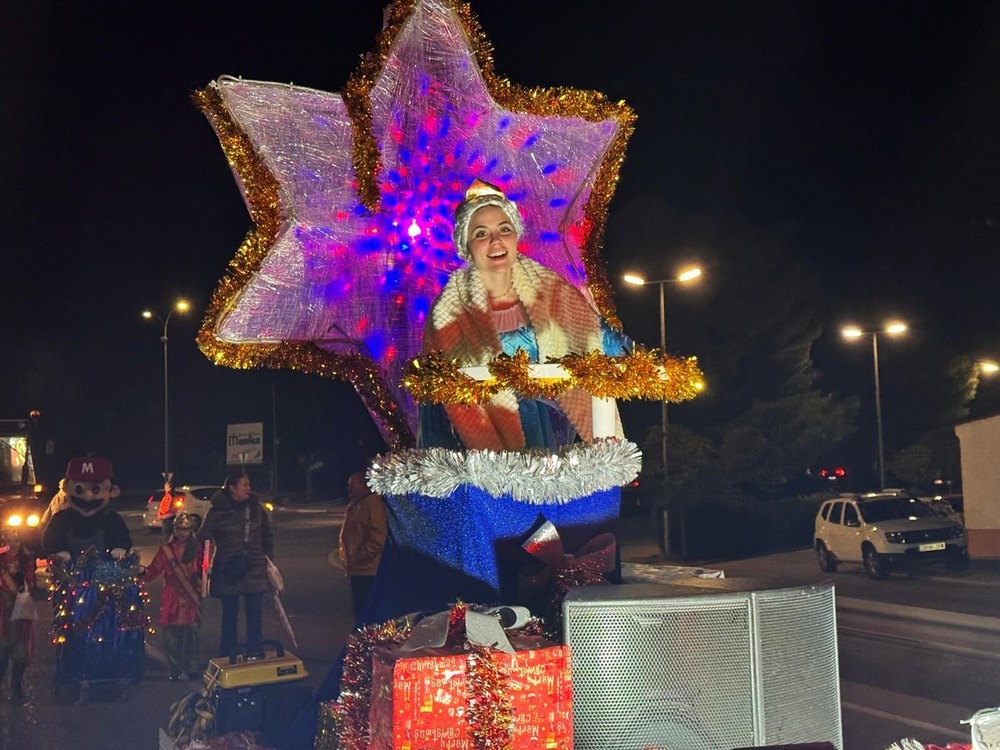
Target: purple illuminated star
[{"x": 352, "y": 198}]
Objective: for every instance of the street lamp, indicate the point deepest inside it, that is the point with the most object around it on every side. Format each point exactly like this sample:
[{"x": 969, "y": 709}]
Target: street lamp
[
  {"x": 686, "y": 276},
  {"x": 893, "y": 328},
  {"x": 180, "y": 306}
]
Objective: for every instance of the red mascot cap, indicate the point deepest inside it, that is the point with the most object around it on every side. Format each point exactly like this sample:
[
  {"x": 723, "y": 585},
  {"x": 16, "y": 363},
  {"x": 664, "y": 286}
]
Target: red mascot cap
[{"x": 89, "y": 469}]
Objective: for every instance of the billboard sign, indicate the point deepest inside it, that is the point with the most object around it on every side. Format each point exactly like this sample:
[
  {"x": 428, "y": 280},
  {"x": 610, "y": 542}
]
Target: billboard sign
[{"x": 245, "y": 444}]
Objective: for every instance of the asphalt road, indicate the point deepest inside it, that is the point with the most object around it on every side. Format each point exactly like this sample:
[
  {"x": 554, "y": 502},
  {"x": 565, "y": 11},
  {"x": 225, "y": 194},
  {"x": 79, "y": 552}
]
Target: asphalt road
[
  {"x": 317, "y": 599},
  {"x": 917, "y": 652}
]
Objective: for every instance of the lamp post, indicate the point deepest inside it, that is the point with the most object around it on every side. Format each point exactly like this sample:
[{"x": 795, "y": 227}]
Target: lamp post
[
  {"x": 894, "y": 328},
  {"x": 684, "y": 277},
  {"x": 180, "y": 306}
]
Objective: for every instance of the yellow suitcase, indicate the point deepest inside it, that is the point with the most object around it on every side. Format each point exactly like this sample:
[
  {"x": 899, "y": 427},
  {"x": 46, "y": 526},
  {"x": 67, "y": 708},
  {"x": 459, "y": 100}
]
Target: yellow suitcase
[{"x": 273, "y": 666}]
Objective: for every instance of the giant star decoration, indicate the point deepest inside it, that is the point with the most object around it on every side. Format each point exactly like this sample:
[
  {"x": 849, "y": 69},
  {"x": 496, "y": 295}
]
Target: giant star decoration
[{"x": 352, "y": 198}]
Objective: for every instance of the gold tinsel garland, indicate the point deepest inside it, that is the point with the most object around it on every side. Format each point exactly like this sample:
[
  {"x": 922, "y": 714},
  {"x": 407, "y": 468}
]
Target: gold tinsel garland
[
  {"x": 85, "y": 589},
  {"x": 344, "y": 723},
  {"x": 261, "y": 189},
  {"x": 490, "y": 712},
  {"x": 432, "y": 379}
]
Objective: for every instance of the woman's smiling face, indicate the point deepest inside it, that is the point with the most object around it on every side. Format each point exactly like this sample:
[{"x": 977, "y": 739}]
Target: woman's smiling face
[{"x": 492, "y": 239}]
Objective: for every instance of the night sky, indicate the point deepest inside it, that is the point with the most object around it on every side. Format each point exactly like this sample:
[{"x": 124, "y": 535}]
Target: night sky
[{"x": 865, "y": 132}]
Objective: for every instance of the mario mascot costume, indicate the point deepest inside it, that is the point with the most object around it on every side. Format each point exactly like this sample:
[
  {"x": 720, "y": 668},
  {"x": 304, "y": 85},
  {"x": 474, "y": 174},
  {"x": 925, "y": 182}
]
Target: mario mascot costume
[
  {"x": 97, "y": 598},
  {"x": 87, "y": 521}
]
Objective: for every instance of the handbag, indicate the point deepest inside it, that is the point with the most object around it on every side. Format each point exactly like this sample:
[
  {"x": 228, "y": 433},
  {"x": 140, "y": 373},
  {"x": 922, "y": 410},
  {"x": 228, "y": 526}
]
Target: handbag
[{"x": 24, "y": 605}]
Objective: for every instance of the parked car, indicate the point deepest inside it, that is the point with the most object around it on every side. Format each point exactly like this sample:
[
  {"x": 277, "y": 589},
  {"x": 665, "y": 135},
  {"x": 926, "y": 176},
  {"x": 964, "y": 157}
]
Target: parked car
[
  {"x": 195, "y": 499},
  {"x": 882, "y": 530}
]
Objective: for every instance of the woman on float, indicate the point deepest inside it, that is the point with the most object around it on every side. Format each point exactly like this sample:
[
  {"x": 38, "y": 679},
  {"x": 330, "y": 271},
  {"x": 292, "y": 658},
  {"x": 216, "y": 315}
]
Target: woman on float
[{"x": 500, "y": 303}]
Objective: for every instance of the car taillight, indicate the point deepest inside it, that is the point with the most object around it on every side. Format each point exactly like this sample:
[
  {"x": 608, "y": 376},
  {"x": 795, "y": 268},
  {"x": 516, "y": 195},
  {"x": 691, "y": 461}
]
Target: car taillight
[{"x": 179, "y": 502}]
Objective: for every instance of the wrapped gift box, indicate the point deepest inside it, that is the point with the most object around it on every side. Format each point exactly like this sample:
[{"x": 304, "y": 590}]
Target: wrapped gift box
[{"x": 420, "y": 699}]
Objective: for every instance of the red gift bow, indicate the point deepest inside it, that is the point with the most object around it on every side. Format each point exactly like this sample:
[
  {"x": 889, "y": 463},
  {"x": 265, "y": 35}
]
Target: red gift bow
[{"x": 561, "y": 571}]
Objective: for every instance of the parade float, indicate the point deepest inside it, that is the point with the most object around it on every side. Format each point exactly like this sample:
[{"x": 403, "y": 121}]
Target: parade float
[{"x": 352, "y": 197}]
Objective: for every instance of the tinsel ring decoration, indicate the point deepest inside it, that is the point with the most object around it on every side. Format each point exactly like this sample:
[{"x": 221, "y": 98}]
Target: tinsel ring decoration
[{"x": 641, "y": 374}]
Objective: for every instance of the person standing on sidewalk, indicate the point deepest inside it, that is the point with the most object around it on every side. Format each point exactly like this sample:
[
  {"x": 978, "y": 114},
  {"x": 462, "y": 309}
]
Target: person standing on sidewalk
[
  {"x": 362, "y": 538},
  {"x": 241, "y": 530},
  {"x": 179, "y": 562}
]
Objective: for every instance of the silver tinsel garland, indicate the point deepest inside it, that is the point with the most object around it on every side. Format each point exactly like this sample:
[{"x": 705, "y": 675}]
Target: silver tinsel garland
[{"x": 529, "y": 476}]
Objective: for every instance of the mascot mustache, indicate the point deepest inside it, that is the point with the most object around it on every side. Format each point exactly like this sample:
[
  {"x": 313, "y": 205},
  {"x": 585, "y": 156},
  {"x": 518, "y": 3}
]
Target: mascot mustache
[{"x": 88, "y": 507}]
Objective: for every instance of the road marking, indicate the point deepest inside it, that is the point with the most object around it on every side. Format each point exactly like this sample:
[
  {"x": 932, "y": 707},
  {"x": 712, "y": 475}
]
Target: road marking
[{"x": 946, "y": 732}]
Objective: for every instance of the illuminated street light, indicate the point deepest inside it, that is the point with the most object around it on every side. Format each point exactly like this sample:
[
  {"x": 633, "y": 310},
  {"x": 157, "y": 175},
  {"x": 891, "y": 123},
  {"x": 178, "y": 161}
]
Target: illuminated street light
[
  {"x": 180, "y": 306},
  {"x": 684, "y": 277},
  {"x": 893, "y": 328}
]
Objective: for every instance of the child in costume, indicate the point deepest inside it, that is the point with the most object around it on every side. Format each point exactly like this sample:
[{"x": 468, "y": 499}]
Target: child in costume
[
  {"x": 17, "y": 572},
  {"x": 179, "y": 563}
]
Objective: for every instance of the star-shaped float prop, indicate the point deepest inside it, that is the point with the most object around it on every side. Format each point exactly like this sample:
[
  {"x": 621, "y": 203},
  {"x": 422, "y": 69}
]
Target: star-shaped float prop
[{"x": 352, "y": 197}]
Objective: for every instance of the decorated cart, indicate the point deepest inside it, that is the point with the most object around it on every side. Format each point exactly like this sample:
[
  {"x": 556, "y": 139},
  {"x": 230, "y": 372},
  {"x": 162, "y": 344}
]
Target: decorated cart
[{"x": 99, "y": 624}]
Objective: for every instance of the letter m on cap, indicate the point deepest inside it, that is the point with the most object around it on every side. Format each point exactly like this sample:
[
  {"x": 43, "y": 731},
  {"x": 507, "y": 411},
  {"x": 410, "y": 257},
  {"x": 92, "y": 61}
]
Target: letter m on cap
[{"x": 87, "y": 467}]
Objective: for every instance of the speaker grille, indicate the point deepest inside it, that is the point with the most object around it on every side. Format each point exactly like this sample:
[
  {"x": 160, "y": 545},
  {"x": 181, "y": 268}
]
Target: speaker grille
[
  {"x": 705, "y": 664},
  {"x": 798, "y": 656}
]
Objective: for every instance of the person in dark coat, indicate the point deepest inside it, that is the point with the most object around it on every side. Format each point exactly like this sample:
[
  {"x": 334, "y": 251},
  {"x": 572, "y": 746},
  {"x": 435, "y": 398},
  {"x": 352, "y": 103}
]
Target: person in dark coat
[{"x": 240, "y": 528}]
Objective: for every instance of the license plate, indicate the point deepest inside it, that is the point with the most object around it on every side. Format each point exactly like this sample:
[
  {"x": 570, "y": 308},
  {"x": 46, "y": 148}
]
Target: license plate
[{"x": 932, "y": 547}]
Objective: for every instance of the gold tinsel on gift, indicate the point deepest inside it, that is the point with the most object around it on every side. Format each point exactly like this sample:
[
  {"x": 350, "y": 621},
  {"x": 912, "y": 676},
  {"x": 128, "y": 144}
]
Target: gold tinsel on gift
[
  {"x": 490, "y": 712},
  {"x": 348, "y": 718},
  {"x": 432, "y": 379},
  {"x": 328, "y": 724}
]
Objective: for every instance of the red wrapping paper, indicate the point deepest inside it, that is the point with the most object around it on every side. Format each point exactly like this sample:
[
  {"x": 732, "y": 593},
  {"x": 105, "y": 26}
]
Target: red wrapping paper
[{"x": 420, "y": 700}]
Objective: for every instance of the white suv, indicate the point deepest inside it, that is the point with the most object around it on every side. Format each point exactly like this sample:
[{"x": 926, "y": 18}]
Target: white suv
[{"x": 884, "y": 529}]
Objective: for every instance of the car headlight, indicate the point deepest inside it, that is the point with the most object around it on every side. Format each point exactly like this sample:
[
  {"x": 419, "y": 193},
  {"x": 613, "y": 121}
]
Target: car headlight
[
  {"x": 14, "y": 519},
  {"x": 895, "y": 537},
  {"x": 33, "y": 520}
]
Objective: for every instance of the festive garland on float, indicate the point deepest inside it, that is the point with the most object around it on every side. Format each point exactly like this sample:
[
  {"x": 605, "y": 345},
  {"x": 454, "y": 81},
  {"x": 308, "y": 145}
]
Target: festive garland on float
[
  {"x": 343, "y": 723},
  {"x": 489, "y": 710},
  {"x": 85, "y": 590},
  {"x": 432, "y": 379},
  {"x": 529, "y": 476}
]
